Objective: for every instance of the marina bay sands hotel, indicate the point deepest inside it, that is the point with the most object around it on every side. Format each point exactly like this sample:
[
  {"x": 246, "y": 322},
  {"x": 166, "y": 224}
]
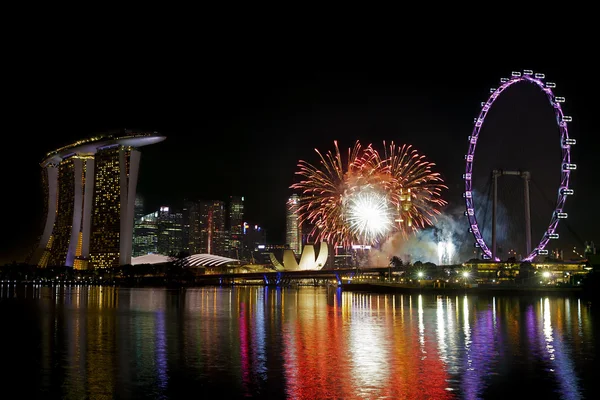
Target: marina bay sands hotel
[{"x": 90, "y": 189}]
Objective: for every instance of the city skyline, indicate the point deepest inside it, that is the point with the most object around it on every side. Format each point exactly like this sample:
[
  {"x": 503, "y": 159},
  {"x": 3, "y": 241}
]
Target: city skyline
[{"x": 241, "y": 137}]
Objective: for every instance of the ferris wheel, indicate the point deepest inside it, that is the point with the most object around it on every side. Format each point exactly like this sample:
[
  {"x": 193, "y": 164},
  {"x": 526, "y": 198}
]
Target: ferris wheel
[{"x": 527, "y": 76}]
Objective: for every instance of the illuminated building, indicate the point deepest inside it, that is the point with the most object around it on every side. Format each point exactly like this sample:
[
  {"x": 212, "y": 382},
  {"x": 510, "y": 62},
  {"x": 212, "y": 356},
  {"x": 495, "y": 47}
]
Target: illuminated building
[
  {"x": 264, "y": 253},
  {"x": 558, "y": 271},
  {"x": 236, "y": 225},
  {"x": 186, "y": 212},
  {"x": 150, "y": 259},
  {"x": 254, "y": 235},
  {"x": 207, "y": 227},
  {"x": 293, "y": 233},
  {"x": 309, "y": 260},
  {"x": 90, "y": 190},
  {"x": 196, "y": 237},
  {"x": 145, "y": 235},
  {"x": 590, "y": 248},
  {"x": 138, "y": 207},
  {"x": 170, "y": 231}
]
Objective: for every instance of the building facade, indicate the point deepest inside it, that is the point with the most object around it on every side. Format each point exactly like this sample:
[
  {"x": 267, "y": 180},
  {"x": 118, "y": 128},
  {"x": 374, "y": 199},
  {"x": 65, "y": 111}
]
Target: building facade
[
  {"x": 170, "y": 231},
  {"x": 139, "y": 210},
  {"x": 293, "y": 232},
  {"x": 145, "y": 235},
  {"x": 236, "y": 226},
  {"x": 206, "y": 232},
  {"x": 90, "y": 190},
  {"x": 254, "y": 236}
]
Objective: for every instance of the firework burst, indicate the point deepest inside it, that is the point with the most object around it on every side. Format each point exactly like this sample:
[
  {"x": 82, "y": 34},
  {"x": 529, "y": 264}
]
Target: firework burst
[
  {"x": 369, "y": 196},
  {"x": 369, "y": 215}
]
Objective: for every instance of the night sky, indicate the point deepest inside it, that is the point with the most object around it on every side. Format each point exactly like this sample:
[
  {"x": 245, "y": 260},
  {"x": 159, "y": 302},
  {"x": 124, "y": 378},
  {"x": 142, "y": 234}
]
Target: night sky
[{"x": 237, "y": 122}]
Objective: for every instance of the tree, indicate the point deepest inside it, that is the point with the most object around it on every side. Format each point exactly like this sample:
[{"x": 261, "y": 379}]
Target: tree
[
  {"x": 396, "y": 262},
  {"x": 526, "y": 271}
]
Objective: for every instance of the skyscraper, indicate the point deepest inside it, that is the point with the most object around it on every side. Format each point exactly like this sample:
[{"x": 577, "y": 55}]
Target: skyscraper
[
  {"x": 215, "y": 228},
  {"x": 293, "y": 232},
  {"x": 254, "y": 235},
  {"x": 145, "y": 235},
  {"x": 138, "y": 207},
  {"x": 170, "y": 231},
  {"x": 187, "y": 211},
  {"x": 207, "y": 227},
  {"x": 236, "y": 225},
  {"x": 90, "y": 189}
]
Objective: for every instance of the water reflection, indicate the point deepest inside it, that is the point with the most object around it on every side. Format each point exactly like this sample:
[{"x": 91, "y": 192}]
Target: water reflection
[{"x": 104, "y": 342}]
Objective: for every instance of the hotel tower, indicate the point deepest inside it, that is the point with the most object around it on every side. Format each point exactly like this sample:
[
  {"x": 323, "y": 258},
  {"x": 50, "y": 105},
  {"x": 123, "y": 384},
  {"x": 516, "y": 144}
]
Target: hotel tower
[
  {"x": 293, "y": 230},
  {"x": 89, "y": 190}
]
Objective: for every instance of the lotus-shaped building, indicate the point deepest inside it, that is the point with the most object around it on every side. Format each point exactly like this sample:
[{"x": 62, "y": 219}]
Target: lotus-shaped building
[{"x": 309, "y": 260}]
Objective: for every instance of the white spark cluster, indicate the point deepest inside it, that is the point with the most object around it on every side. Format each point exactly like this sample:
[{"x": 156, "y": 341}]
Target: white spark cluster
[
  {"x": 369, "y": 215},
  {"x": 446, "y": 252}
]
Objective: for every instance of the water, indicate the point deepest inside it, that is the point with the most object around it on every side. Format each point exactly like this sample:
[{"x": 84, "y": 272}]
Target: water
[{"x": 307, "y": 343}]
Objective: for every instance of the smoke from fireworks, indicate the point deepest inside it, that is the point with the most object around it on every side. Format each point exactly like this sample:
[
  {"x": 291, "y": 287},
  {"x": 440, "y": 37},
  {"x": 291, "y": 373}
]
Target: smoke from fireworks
[
  {"x": 369, "y": 196},
  {"x": 447, "y": 242}
]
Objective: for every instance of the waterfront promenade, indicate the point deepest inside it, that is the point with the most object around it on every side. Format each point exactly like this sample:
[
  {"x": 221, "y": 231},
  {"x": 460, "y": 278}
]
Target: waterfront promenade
[{"x": 394, "y": 287}]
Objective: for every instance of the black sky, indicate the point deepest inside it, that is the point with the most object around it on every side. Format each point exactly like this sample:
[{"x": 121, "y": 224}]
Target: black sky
[{"x": 238, "y": 120}]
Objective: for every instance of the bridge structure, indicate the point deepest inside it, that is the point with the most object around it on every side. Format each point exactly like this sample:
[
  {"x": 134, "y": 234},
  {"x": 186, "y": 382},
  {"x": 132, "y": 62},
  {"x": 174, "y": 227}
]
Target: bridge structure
[{"x": 286, "y": 278}]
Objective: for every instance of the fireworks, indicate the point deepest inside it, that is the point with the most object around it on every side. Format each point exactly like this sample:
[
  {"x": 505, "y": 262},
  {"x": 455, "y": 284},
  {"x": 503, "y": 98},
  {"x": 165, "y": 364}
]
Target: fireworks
[
  {"x": 369, "y": 196},
  {"x": 445, "y": 252},
  {"x": 370, "y": 215}
]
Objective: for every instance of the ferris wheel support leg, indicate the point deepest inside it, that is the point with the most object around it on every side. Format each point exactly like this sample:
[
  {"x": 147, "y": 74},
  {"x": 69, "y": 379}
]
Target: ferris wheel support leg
[
  {"x": 495, "y": 174},
  {"x": 526, "y": 177}
]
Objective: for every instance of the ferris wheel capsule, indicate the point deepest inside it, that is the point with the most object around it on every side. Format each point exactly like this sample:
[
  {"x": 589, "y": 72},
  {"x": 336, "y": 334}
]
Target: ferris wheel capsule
[
  {"x": 516, "y": 73},
  {"x": 503, "y": 80},
  {"x": 542, "y": 252},
  {"x": 550, "y": 85},
  {"x": 567, "y": 118},
  {"x": 569, "y": 142},
  {"x": 552, "y": 235},
  {"x": 567, "y": 191},
  {"x": 527, "y": 72},
  {"x": 559, "y": 99},
  {"x": 539, "y": 75},
  {"x": 569, "y": 167}
]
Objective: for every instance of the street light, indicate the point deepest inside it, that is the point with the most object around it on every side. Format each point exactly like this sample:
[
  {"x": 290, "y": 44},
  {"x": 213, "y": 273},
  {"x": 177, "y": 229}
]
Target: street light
[
  {"x": 465, "y": 275},
  {"x": 420, "y": 275}
]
